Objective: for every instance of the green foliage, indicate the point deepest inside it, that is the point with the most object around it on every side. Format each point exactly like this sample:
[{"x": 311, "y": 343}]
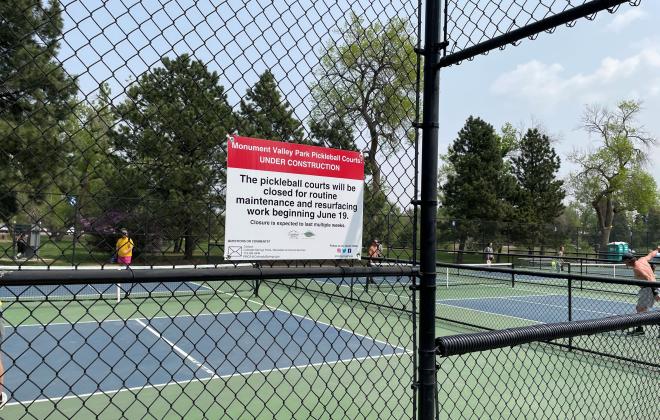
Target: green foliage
[
  {"x": 478, "y": 187},
  {"x": 540, "y": 194},
  {"x": 34, "y": 100},
  {"x": 369, "y": 79},
  {"x": 173, "y": 134},
  {"x": 612, "y": 178},
  {"x": 335, "y": 133},
  {"x": 264, "y": 114},
  {"x": 509, "y": 139}
]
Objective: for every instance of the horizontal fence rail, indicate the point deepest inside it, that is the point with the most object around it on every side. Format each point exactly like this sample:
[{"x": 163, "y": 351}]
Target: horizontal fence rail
[
  {"x": 489, "y": 340},
  {"x": 492, "y": 297}
]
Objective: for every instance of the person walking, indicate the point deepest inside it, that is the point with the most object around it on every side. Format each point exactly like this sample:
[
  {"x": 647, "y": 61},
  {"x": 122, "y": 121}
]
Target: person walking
[
  {"x": 488, "y": 251},
  {"x": 374, "y": 253},
  {"x": 124, "y": 248},
  {"x": 560, "y": 259},
  {"x": 21, "y": 246},
  {"x": 643, "y": 271}
]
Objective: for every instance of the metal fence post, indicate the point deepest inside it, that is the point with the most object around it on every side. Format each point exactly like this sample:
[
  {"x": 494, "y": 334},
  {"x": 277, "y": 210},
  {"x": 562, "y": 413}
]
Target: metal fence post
[
  {"x": 513, "y": 276},
  {"x": 429, "y": 195},
  {"x": 570, "y": 304}
]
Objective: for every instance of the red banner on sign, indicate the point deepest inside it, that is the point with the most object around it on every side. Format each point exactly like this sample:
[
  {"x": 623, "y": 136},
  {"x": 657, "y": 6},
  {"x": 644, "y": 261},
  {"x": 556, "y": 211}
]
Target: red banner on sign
[{"x": 277, "y": 156}]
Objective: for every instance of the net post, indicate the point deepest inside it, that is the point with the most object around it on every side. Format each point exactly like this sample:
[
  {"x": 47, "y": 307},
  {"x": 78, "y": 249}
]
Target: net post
[{"x": 118, "y": 292}]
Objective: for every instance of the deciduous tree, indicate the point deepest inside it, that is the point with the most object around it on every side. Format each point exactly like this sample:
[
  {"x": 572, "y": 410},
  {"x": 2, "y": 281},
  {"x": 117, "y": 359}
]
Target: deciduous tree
[{"x": 612, "y": 178}]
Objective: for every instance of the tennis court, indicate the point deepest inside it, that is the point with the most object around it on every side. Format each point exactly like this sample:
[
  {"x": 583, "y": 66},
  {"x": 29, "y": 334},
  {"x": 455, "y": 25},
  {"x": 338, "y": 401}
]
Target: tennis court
[
  {"x": 73, "y": 349},
  {"x": 137, "y": 353},
  {"x": 167, "y": 345}
]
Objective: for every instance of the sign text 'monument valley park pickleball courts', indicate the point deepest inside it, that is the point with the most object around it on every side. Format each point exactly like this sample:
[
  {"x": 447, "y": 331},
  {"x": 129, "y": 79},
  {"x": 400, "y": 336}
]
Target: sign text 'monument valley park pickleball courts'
[{"x": 292, "y": 201}]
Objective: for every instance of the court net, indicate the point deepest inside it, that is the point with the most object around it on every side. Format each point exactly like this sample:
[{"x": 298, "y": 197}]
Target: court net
[
  {"x": 603, "y": 269},
  {"x": 473, "y": 274}
]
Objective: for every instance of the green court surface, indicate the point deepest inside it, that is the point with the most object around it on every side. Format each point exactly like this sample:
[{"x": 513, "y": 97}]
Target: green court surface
[
  {"x": 374, "y": 385},
  {"x": 347, "y": 387}
]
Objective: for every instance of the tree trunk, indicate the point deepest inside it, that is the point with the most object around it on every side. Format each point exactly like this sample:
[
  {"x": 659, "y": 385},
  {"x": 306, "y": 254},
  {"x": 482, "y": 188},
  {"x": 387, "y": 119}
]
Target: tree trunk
[
  {"x": 461, "y": 248},
  {"x": 605, "y": 238},
  {"x": 605, "y": 212},
  {"x": 190, "y": 244}
]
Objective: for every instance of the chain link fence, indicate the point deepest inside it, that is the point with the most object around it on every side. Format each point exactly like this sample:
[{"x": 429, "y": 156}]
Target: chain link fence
[
  {"x": 116, "y": 115},
  {"x": 516, "y": 373},
  {"x": 198, "y": 342},
  {"x": 497, "y": 297}
]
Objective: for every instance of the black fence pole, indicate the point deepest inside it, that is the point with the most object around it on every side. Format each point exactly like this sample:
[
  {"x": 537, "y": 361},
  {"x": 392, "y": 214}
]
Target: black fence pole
[
  {"x": 513, "y": 276},
  {"x": 429, "y": 206},
  {"x": 570, "y": 305}
]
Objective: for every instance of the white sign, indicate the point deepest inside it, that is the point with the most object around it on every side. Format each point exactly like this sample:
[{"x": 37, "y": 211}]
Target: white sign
[{"x": 291, "y": 201}]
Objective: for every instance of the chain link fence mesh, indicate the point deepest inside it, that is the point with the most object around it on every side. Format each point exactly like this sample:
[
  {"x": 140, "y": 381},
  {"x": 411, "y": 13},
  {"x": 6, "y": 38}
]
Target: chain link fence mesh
[
  {"x": 472, "y": 24},
  {"x": 196, "y": 348},
  {"x": 116, "y": 114},
  {"x": 516, "y": 373}
]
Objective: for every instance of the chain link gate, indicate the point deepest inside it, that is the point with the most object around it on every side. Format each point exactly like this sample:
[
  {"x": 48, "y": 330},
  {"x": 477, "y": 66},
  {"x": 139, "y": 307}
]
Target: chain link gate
[
  {"x": 468, "y": 29},
  {"x": 115, "y": 114}
]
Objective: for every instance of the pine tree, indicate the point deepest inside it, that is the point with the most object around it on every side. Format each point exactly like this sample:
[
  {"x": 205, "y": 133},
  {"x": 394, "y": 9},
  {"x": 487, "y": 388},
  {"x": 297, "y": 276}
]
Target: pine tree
[
  {"x": 34, "y": 99},
  {"x": 540, "y": 193},
  {"x": 266, "y": 115},
  {"x": 173, "y": 130},
  {"x": 477, "y": 182}
]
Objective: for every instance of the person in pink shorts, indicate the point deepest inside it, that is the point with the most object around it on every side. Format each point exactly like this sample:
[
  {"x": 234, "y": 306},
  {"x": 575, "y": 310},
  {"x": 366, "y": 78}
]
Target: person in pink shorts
[{"x": 124, "y": 248}]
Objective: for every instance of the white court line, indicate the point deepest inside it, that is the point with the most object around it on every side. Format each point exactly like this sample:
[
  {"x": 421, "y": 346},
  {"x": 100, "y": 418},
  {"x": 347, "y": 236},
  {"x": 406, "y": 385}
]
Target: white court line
[
  {"x": 489, "y": 313},
  {"x": 492, "y": 297},
  {"x": 176, "y": 348},
  {"x": 559, "y": 306},
  {"x": 226, "y": 376},
  {"x": 134, "y": 319}
]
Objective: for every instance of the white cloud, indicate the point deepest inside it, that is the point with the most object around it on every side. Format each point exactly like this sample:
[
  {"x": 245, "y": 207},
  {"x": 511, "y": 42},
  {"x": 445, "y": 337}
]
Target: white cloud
[
  {"x": 548, "y": 84},
  {"x": 622, "y": 20},
  {"x": 654, "y": 88}
]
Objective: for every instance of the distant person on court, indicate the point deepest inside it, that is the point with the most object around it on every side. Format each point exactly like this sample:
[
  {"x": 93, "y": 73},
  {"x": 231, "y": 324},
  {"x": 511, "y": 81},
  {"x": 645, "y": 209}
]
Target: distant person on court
[
  {"x": 643, "y": 271},
  {"x": 124, "y": 248},
  {"x": 3, "y": 395},
  {"x": 21, "y": 245},
  {"x": 560, "y": 259},
  {"x": 489, "y": 253},
  {"x": 374, "y": 253}
]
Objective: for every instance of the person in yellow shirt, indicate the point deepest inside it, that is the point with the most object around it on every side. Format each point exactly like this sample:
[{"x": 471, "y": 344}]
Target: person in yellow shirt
[{"x": 124, "y": 248}]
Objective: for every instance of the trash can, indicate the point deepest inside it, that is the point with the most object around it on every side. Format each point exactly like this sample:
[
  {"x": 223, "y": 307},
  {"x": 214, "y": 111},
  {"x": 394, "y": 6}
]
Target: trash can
[{"x": 615, "y": 250}]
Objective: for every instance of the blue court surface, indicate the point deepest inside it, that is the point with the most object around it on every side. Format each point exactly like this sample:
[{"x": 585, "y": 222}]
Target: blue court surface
[
  {"x": 92, "y": 290},
  {"x": 84, "y": 358},
  {"x": 543, "y": 308}
]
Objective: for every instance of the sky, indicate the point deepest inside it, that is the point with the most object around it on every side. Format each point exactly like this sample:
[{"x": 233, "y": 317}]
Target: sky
[
  {"x": 547, "y": 81},
  {"x": 550, "y": 80}
]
